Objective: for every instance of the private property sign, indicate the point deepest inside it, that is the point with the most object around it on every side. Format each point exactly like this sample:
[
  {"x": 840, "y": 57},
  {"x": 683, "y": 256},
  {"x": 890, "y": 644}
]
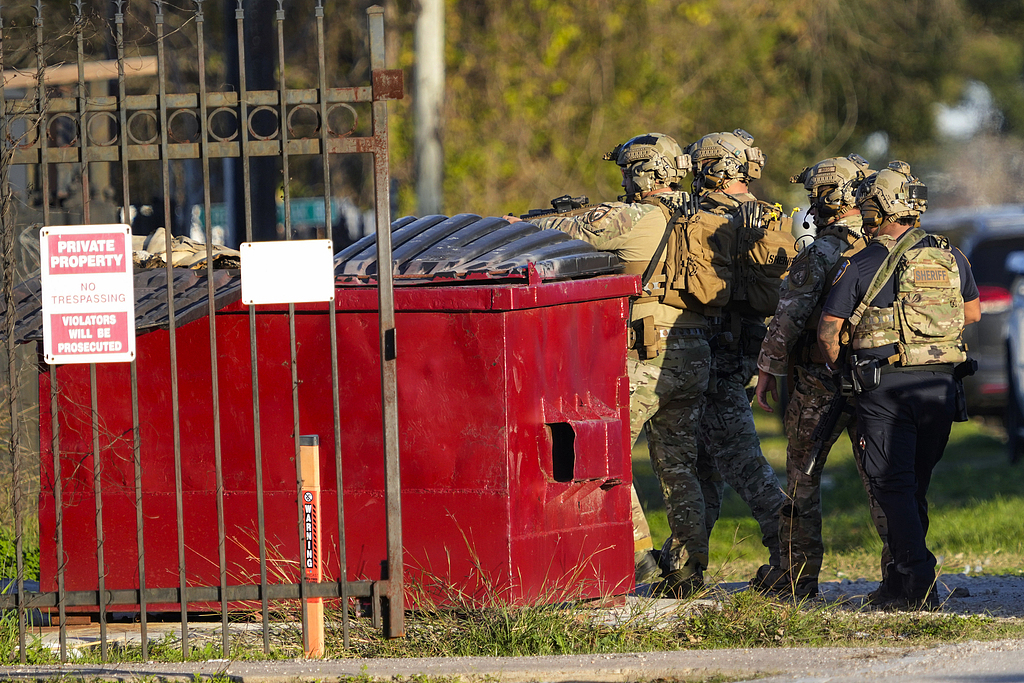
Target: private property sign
[{"x": 88, "y": 294}]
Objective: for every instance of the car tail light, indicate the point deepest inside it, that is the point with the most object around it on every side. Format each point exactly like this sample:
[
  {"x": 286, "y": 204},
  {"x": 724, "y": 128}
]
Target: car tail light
[{"x": 994, "y": 299}]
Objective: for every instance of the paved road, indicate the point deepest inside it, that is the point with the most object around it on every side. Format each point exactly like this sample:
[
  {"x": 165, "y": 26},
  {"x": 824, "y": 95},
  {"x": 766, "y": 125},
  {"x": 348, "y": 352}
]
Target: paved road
[
  {"x": 992, "y": 662},
  {"x": 989, "y": 662}
]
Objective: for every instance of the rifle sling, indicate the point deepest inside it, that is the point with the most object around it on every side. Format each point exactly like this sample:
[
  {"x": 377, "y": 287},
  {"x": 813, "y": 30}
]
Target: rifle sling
[
  {"x": 645, "y": 279},
  {"x": 653, "y": 265}
]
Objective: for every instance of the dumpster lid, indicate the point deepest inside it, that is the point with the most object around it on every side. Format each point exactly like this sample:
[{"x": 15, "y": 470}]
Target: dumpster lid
[
  {"x": 431, "y": 250},
  {"x": 436, "y": 249}
]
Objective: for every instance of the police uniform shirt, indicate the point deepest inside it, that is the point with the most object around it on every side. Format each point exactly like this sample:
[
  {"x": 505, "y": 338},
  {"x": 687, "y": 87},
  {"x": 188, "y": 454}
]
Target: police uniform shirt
[{"x": 855, "y": 275}]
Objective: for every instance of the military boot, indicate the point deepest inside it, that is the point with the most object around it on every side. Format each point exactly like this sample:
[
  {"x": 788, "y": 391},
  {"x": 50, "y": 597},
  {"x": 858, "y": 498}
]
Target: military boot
[
  {"x": 769, "y": 579},
  {"x": 680, "y": 583},
  {"x": 889, "y": 591},
  {"x": 645, "y": 567}
]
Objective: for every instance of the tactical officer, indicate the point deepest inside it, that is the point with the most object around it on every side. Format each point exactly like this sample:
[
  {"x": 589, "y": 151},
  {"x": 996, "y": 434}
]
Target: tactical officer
[
  {"x": 791, "y": 349},
  {"x": 904, "y": 299},
  {"x": 723, "y": 165},
  {"x": 669, "y": 358}
]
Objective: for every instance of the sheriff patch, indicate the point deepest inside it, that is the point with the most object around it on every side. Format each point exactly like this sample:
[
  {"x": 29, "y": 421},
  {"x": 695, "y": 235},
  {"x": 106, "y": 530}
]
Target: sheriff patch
[
  {"x": 799, "y": 273},
  {"x": 931, "y": 277},
  {"x": 842, "y": 269}
]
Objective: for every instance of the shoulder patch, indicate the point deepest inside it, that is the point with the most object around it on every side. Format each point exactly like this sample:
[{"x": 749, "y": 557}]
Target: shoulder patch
[
  {"x": 598, "y": 212},
  {"x": 800, "y": 271},
  {"x": 842, "y": 269}
]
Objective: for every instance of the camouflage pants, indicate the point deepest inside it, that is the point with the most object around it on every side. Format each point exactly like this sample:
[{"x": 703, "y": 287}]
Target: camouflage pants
[
  {"x": 800, "y": 520},
  {"x": 730, "y": 452},
  {"x": 666, "y": 393},
  {"x": 642, "y": 541}
]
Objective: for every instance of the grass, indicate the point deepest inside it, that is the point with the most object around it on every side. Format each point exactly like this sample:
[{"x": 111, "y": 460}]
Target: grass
[
  {"x": 976, "y": 504},
  {"x": 739, "y": 620}
]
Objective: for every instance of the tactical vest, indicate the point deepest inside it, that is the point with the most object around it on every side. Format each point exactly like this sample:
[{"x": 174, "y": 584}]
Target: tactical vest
[
  {"x": 926, "y": 320},
  {"x": 719, "y": 259},
  {"x": 696, "y": 272},
  {"x": 764, "y": 249}
]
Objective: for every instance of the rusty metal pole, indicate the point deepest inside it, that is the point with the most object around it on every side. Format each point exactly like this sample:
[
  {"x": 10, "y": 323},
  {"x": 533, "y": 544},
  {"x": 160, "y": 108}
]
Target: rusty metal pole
[{"x": 394, "y": 594}]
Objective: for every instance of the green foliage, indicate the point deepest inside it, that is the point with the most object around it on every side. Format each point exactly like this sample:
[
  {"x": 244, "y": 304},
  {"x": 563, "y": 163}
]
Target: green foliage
[
  {"x": 9, "y": 558},
  {"x": 35, "y": 652},
  {"x": 538, "y": 91}
]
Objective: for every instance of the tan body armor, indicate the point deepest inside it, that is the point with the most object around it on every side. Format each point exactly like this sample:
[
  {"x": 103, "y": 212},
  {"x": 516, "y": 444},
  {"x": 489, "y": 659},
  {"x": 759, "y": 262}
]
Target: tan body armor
[
  {"x": 653, "y": 318},
  {"x": 724, "y": 259}
]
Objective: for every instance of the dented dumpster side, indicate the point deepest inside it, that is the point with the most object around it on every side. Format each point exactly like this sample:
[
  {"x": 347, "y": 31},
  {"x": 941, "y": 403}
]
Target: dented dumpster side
[{"x": 513, "y": 416}]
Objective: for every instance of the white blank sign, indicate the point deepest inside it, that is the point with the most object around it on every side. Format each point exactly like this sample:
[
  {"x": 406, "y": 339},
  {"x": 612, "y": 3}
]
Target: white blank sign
[{"x": 292, "y": 272}]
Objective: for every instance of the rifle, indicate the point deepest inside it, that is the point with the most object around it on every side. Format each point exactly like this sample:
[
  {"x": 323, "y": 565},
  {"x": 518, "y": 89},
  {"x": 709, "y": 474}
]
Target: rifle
[
  {"x": 822, "y": 433},
  {"x": 563, "y": 204},
  {"x": 846, "y": 386}
]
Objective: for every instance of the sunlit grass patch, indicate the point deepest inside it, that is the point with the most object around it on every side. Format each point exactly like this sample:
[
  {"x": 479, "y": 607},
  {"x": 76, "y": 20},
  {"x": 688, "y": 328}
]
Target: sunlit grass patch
[
  {"x": 739, "y": 620},
  {"x": 976, "y": 507}
]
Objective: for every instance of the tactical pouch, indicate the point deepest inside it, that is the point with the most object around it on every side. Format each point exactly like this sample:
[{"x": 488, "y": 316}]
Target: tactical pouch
[
  {"x": 644, "y": 338},
  {"x": 751, "y": 339},
  {"x": 965, "y": 369}
]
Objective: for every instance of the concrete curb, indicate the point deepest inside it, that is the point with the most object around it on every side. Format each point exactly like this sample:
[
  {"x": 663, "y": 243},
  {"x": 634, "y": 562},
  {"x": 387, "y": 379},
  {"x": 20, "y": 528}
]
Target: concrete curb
[{"x": 1001, "y": 660}]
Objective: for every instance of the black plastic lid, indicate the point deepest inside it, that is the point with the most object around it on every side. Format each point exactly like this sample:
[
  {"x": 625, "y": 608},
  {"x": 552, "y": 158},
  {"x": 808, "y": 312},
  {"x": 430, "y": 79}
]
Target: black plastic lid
[{"x": 436, "y": 249}]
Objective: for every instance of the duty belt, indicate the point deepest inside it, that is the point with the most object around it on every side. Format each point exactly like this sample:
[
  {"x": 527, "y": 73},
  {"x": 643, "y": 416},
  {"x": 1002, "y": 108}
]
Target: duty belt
[
  {"x": 932, "y": 367},
  {"x": 669, "y": 332}
]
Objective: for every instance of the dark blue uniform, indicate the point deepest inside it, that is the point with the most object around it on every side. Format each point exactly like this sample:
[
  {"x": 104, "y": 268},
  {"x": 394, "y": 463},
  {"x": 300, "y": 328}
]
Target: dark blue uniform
[{"x": 903, "y": 425}]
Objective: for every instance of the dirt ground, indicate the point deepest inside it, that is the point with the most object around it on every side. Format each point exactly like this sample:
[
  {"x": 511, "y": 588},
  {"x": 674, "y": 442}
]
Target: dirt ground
[{"x": 997, "y": 596}]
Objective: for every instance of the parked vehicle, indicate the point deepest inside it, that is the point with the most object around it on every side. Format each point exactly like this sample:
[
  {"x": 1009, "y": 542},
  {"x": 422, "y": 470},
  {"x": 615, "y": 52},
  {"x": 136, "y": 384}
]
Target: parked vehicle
[
  {"x": 986, "y": 235},
  {"x": 1014, "y": 415}
]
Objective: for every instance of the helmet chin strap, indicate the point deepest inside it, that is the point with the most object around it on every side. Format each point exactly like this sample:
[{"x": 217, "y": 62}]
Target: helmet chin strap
[{"x": 823, "y": 216}]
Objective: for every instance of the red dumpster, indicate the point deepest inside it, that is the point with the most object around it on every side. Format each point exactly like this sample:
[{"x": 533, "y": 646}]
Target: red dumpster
[{"x": 513, "y": 421}]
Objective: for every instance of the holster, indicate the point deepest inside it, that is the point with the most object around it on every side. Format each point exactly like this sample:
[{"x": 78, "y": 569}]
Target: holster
[
  {"x": 643, "y": 340},
  {"x": 960, "y": 414},
  {"x": 866, "y": 374},
  {"x": 965, "y": 369}
]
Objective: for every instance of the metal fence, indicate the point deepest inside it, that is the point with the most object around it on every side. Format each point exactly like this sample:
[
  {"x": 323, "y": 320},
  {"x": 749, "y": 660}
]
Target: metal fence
[{"x": 60, "y": 134}]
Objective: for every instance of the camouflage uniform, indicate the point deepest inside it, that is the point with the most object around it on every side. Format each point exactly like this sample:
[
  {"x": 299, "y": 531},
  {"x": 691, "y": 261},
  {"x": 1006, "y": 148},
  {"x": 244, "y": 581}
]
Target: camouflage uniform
[
  {"x": 790, "y": 348},
  {"x": 730, "y": 451},
  {"x": 666, "y": 391}
]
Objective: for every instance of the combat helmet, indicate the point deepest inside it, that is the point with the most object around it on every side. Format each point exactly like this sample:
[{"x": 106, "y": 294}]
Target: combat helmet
[
  {"x": 831, "y": 185},
  {"x": 891, "y": 194},
  {"x": 719, "y": 158},
  {"x": 649, "y": 162}
]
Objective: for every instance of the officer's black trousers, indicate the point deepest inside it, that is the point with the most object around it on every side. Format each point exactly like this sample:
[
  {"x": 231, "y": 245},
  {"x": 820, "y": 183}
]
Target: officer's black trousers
[{"x": 903, "y": 427}]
